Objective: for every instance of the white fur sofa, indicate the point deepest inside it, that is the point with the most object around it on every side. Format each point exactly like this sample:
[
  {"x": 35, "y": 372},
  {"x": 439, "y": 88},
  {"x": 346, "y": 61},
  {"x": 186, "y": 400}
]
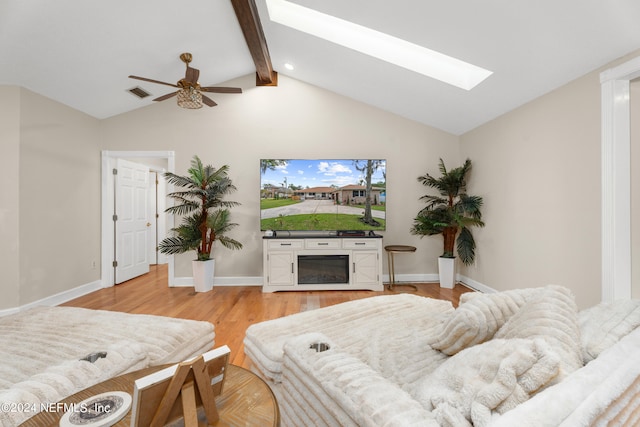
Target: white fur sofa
[
  {"x": 524, "y": 357},
  {"x": 41, "y": 348}
]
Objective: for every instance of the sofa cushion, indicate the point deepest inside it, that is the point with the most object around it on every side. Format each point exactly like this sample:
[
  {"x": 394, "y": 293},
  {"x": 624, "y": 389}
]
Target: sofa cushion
[
  {"x": 362, "y": 328},
  {"x": 550, "y": 314},
  {"x": 56, "y": 382},
  {"x": 40, "y": 349},
  {"x": 49, "y": 336},
  {"x": 605, "y": 324}
]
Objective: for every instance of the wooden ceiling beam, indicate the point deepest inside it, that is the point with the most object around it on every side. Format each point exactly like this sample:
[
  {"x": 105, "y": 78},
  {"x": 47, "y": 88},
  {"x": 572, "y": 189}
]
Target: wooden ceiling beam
[{"x": 249, "y": 20}]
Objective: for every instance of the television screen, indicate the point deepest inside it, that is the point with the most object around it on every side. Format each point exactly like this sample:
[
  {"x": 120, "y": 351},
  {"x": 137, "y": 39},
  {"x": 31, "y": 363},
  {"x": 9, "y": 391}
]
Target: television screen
[{"x": 322, "y": 195}]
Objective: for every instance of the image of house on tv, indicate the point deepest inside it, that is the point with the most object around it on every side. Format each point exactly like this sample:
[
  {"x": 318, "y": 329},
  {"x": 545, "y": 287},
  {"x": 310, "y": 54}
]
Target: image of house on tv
[
  {"x": 311, "y": 195},
  {"x": 347, "y": 195}
]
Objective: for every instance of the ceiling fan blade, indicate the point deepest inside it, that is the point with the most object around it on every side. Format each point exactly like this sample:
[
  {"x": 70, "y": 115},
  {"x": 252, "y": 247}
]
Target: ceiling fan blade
[
  {"x": 213, "y": 89},
  {"x": 210, "y": 102},
  {"x": 192, "y": 75},
  {"x": 167, "y": 96},
  {"x": 153, "y": 81}
]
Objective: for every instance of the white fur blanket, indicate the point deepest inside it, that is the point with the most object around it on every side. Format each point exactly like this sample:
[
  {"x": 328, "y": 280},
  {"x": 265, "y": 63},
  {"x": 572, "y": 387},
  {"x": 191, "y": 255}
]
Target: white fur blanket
[
  {"x": 591, "y": 396},
  {"x": 495, "y": 376},
  {"x": 516, "y": 344},
  {"x": 40, "y": 350}
]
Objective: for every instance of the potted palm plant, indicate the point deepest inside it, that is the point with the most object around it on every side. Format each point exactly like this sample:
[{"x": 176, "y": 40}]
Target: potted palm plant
[
  {"x": 451, "y": 213},
  {"x": 205, "y": 218}
]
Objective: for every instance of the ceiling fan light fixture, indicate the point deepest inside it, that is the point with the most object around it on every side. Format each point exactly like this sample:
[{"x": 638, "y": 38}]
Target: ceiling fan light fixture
[
  {"x": 189, "y": 98},
  {"x": 378, "y": 45},
  {"x": 189, "y": 93}
]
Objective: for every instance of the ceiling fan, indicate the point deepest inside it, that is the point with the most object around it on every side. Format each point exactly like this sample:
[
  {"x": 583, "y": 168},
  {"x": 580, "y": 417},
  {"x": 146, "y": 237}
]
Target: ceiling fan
[{"x": 189, "y": 90}]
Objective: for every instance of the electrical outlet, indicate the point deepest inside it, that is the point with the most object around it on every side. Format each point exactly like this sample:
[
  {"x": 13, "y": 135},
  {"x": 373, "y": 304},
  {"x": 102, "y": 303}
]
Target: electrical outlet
[{"x": 93, "y": 265}]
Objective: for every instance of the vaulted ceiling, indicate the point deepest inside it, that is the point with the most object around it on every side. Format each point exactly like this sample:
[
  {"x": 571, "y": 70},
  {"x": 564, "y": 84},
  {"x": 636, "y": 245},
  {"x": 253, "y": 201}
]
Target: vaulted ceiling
[{"x": 80, "y": 52}]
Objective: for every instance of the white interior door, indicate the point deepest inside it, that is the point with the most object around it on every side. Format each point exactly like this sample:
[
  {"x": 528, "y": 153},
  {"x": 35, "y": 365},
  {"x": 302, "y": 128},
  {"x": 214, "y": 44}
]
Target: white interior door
[{"x": 131, "y": 220}]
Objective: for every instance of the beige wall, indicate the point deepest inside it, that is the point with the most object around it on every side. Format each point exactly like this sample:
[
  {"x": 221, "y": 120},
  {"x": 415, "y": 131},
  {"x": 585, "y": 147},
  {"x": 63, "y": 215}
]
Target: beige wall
[
  {"x": 293, "y": 120},
  {"x": 59, "y": 198},
  {"x": 9, "y": 196},
  {"x": 538, "y": 168}
]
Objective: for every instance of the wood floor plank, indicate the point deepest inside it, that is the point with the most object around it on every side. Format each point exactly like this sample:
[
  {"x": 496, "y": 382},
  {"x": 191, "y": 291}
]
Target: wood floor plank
[{"x": 232, "y": 309}]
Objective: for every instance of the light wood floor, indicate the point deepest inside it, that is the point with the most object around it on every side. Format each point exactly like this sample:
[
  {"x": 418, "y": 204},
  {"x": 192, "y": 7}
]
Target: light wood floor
[{"x": 230, "y": 308}]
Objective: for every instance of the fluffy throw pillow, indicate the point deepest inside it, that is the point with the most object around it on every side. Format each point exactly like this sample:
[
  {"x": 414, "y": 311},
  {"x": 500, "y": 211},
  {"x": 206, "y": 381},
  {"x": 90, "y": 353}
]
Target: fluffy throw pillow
[
  {"x": 605, "y": 324},
  {"x": 478, "y": 318},
  {"x": 494, "y": 376}
]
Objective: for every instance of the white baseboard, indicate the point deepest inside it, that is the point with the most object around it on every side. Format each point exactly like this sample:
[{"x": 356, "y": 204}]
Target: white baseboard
[
  {"x": 56, "y": 299},
  {"x": 400, "y": 278},
  {"x": 433, "y": 278},
  {"x": 477, "y": 286},
  {"x": 179, "y": 282}
]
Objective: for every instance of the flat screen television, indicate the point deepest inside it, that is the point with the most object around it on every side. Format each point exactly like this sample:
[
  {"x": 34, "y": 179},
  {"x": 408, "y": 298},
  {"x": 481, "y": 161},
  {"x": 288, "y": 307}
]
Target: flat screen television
[{"x": 323, "y": 194}]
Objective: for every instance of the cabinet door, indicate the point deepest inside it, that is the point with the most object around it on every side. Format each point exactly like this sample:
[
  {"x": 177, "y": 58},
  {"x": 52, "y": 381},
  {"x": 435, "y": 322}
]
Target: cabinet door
[
  {"x": 280, "y": 268},
  {"x": 365, "y": 267}
]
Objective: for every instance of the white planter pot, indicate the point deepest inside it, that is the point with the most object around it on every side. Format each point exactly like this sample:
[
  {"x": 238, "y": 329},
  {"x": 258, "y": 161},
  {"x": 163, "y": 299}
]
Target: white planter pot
[
  {"x": 447, "y": 272},
  {"x": 203, "y": 275}
]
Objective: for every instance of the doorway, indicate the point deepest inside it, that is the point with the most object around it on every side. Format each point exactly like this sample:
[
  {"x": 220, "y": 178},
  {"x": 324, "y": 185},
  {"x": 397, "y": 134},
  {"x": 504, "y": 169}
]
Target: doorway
[
  {"x": 158, "y": 162},
  {"x": 157, "y": 219},
  {"x": 616, "y": 180}
]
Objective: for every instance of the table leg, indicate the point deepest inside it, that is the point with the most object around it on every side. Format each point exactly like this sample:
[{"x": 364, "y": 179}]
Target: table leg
[{"x": 392, "y": 275}]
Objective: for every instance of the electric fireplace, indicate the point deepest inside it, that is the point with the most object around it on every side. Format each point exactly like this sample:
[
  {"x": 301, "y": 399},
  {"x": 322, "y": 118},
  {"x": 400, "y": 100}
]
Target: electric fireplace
[{"x": 323, "y": 269}]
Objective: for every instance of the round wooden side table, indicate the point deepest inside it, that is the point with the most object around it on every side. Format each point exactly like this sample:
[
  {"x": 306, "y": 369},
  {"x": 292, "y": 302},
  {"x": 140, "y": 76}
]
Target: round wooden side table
[
  {"x": 246, "y": 400},
  {"x": 397, "y": 249}
]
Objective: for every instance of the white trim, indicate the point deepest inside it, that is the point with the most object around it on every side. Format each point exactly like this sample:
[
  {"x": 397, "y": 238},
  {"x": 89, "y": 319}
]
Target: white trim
[
  {"x": 58, "y": 298},
  {"x": 108, "y": 158},
  {"x": 627, "y": 71},
  {"x": 477, "y": 286},
  {"x": 183, "y": 282},
  {"x": 433, "y": 278},
  {"x": 616, "y": 180}
]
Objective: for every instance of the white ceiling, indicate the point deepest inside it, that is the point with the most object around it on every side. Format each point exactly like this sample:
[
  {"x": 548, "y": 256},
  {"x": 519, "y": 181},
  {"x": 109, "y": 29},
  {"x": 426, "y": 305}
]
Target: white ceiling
[{"x": 80, "y": 52}]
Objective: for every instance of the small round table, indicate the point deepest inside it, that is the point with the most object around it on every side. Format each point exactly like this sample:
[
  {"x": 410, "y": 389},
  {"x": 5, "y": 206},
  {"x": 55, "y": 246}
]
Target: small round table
[
  {"x": 396, "y": 249},
  {"x": 245, "y": 400}
]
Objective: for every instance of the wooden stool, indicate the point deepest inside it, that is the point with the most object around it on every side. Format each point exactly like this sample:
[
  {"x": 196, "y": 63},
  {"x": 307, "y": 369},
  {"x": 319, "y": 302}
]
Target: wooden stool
[{"x": 391, "y": 250}]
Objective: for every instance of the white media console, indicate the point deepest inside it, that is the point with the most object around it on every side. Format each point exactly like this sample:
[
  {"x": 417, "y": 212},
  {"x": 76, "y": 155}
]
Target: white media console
[{"x": 311, "y": 263}]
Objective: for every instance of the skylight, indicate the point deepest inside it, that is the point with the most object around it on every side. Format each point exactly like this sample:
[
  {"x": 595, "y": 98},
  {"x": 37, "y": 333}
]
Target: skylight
[{"x": 378, "y": 45}]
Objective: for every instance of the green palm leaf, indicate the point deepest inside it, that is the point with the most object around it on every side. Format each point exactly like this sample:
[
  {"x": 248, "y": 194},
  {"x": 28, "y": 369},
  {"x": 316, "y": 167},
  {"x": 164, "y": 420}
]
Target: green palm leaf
[
  {"x": 466, "y": 246},
  {"x": 452, "y": 209},
  {"x": 205, "y": 214}
]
